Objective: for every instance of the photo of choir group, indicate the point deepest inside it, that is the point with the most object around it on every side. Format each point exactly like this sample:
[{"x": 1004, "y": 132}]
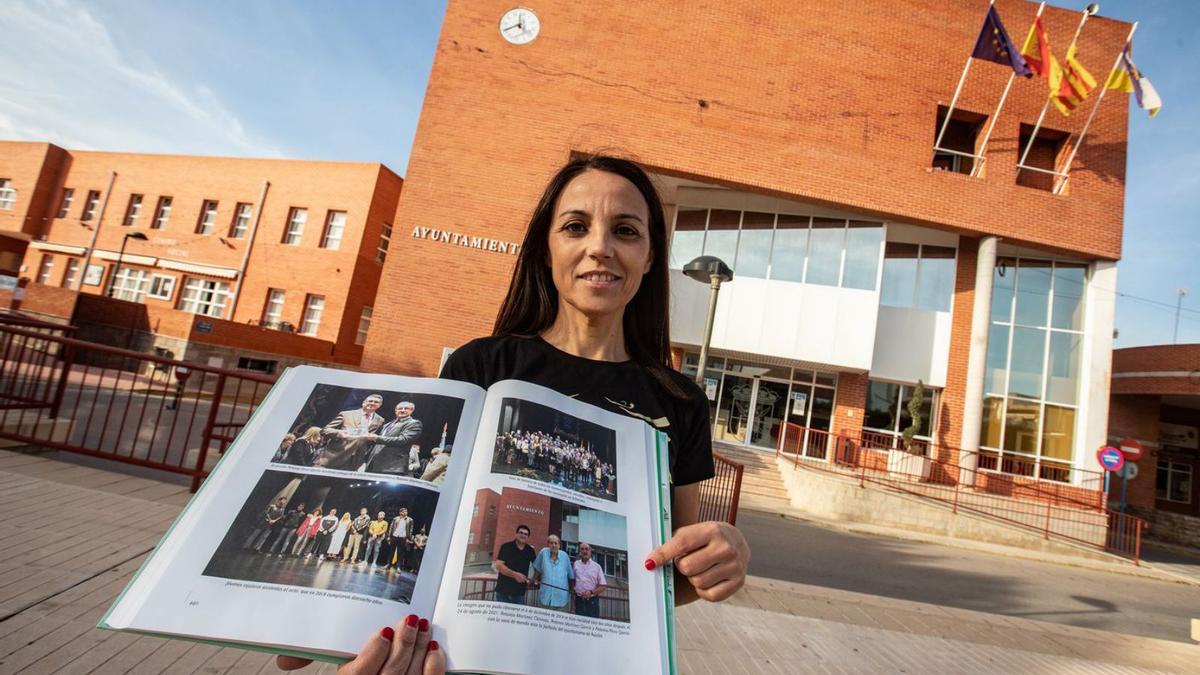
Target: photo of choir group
[
  {"x": 550, "y": 446},
  {"x": 369, "y": 431},
  {"x": 345, "y": 534}
]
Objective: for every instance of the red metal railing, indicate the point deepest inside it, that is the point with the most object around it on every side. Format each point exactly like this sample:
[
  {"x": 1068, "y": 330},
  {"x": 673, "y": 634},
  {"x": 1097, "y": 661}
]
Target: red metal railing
[
  {"x": 614, "y": 601},
  {"x": 719, "y": 494},
  {"x": 66, "y": 394},
  {"x": 1067, "y": 512}
]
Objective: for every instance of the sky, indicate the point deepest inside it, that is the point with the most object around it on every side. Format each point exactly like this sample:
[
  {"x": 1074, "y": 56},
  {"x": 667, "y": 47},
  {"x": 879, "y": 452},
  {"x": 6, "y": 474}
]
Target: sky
[{"x": 345, "y": 81}]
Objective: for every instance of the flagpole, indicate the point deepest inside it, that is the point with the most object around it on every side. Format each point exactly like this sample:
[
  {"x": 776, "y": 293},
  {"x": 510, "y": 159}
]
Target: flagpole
[
  {"x": 1046, "y": 105},
  {"x": 982, "y": 152},
  {"x": 937, "y": 144},
  {"x": 1061, "y": 181}
]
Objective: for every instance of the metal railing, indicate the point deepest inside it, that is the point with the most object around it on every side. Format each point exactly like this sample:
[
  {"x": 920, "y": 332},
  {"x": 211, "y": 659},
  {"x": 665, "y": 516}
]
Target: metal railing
[
  {"x": 614, "y": 601},
  {"x": 1067, "y": 512},
  {"x": 719, "y": 495},
  {"x": 92, "y": 399}
]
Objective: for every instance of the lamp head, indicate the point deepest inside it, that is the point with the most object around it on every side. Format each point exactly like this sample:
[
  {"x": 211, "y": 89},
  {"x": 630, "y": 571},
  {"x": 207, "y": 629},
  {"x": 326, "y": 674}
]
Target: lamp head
[
  {"x": 136, "y": 235},
  {"x": 703, "y": 269}
]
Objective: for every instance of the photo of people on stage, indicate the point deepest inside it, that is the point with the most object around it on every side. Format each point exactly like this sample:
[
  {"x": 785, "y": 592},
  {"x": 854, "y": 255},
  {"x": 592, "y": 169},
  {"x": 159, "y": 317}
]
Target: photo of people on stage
[
  {"x": 548, "y": 445},
  {"x": 343, "y": 534},
  {"x": 369, "y": 431},
  {"x": 529, "y": 549}
]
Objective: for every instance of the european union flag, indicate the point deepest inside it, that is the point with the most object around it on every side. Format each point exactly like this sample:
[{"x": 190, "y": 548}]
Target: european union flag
[{"x": 994, "y": 45}]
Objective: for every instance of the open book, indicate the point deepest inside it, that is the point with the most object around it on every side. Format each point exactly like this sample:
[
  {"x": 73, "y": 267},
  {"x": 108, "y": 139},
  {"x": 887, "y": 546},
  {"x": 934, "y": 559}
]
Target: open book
[{"x": 350, "y": 501}]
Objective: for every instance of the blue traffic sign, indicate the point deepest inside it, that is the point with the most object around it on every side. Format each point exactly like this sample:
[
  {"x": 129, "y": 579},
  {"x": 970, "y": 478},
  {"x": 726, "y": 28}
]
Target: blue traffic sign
[{"x": 1110, "y": 458}]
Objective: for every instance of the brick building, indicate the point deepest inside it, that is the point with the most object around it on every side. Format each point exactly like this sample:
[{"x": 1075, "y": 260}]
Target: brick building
[
  {"x": 1156, "y": 401},
  {"x": 235, "y": 262},
  {"x": 797, "y": 144}
]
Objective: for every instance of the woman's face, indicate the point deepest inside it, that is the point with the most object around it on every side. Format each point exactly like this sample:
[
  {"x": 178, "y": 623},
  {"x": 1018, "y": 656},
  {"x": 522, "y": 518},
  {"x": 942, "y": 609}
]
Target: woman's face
[{"x": 599, "y": 243}]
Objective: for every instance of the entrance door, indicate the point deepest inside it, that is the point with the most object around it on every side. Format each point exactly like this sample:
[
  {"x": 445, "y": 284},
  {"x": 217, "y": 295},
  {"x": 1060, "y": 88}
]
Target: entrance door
[
  {"x": 733, "y": 409},
  {"x": 770, "y": 408}
]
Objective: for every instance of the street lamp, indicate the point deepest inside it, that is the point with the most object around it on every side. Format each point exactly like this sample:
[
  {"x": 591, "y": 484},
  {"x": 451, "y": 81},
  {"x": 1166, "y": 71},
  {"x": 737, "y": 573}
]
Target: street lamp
[
  {"x": 112, "y": 285},
  {"x": 713, "y": 271}
]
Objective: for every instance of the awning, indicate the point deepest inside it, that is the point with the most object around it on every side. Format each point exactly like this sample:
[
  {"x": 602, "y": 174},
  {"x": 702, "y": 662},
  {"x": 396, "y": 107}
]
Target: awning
[
  {"x": 58, "y": 248},
  {"x": 131, "y": 258},
  {"x": 208, "y": 270}
]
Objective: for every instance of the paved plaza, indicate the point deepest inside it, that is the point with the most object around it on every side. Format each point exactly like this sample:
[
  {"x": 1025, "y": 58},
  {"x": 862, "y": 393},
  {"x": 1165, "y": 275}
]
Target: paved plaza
[{"x": 76, "y": 533}]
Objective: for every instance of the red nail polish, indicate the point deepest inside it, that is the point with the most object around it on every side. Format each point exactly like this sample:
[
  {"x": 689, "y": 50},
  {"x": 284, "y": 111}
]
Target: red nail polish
[
  {"x": 387, "y": 633},
  {"x": 410, "y": 620},
  {"x": 423, "y": 625},
  {"x": 650, "y": 564},
  {"x": 433, "y": 645}
]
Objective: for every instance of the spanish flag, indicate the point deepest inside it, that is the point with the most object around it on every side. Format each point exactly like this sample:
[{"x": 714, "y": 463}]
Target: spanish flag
[
  {"x": 1075, "y": 86},
  {"x": 1127, "y": 78},
  {"x": 1039, "y": 58}
]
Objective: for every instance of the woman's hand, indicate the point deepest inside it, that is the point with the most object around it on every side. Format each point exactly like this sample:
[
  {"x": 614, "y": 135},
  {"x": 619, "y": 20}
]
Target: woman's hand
[
  {"x": 713, "y": 555},
  {"x": 403, "y": 650}
]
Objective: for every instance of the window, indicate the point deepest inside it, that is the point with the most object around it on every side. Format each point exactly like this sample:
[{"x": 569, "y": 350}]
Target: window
[
  {"x": 1174, "y": 482},
  {"x": 887, "y": 416},
  {"x": 208, "y": 217},
  {"x": 241, "y": 220},
  {"x": 90, "y": 206},
  {"x": 313, "y": 306},
  {"x": 385, "y": 238},
  {"x": 162, "y": 287},
  {"x": 688, "y": 240},
  {"x": 64, "y": 207},
  {"x": 129, "y": 284},
  {"x": 8, "y": 195},
  {"x": 1041, "y": 160},
  {"x": 204, "y": 296},
  {"x": 956, "y": 152},
  {"x": 72, "y": 272},
  {"x": 364, "y": 325},
  {"x": 1031, "y": 381},
  {"x": 257, "y": 365},
  {"x": 133, "y": 210},
  {"x": 273, "y": 309},
  {"x": 335, "y": 224},
  {"x": 162, "y": 213},
  {"x": 919, "y": 276},
  {"x": 43, "y": 276},
  {"x": 295, "y": 226},
  {"x": 784, "y": 247}
]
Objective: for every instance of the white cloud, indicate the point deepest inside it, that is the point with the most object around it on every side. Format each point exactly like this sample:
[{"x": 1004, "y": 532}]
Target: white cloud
[{"x": 63, "y": 79}]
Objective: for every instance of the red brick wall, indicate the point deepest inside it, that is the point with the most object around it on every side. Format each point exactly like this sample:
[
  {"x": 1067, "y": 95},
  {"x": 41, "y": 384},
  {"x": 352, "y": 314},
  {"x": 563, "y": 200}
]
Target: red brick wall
[
  {"x": 953, "y": 399},
  {"x": 1137, "y": 417},
  {"x": 46, "y": 299},
  {"x": 849, "y": 403},
  {"x": 517, "y": 507},
  {"x": 483, "y": 523},
  {"x": 832, "y": 102},
  {"x": 1157, "y": 359},
  {"x": 33, "y": 169}
]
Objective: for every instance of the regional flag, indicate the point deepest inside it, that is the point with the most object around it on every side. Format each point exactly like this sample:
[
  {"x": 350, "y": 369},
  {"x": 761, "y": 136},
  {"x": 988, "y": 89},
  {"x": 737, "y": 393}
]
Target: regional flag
[
  {"x": 1075, "y": 86},
  {"x": 1127, "y": 78},
  {"x": 993, "y": 44}
]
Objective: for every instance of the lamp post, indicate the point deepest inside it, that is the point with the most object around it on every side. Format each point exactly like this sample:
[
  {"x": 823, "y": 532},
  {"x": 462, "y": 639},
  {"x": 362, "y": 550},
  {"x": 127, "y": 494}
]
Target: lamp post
[
  {"x": 112, "y": 285},
  {"x": 713, "y": 271}
]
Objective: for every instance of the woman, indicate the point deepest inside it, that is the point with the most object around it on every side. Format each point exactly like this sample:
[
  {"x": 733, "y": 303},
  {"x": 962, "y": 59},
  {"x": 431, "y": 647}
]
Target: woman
[
  {"x": 306, "y": 531},
  {"x": 304, "y": 449},
  {"x": 339, "y": 537},
  {"x": 586, "y": 314}
]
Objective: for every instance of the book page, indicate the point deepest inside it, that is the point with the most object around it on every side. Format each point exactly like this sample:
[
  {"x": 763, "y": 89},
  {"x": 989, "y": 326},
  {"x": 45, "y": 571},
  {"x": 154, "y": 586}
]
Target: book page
[
  {"x": 566, "y": 495},
  {"x": 328, "y": 518}
]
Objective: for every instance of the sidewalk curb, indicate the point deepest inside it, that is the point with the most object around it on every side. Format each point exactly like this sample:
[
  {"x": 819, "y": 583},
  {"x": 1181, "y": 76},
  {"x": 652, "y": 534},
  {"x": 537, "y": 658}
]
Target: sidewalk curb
[{"x": 1145, "y": 570}]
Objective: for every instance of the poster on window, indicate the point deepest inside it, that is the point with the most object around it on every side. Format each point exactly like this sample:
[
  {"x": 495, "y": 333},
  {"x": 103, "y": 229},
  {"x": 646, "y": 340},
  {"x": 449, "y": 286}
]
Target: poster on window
[
  {"x": 93, "y": 275},
  {"x": 710, "y": 388},
  {"x": 799, "y": 403},
  {"x": 1178, "y": 436}
]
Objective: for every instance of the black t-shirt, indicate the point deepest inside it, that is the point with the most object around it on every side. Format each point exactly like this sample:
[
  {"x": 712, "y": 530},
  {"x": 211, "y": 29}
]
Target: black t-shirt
[
  {"x": 626, "y": 388},
  {"x": 517, "y": 560}
]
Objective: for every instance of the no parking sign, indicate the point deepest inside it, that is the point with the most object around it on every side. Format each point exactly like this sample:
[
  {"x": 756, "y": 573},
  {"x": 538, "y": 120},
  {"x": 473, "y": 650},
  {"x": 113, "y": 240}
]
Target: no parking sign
[{"x": 1110, "y": 458}]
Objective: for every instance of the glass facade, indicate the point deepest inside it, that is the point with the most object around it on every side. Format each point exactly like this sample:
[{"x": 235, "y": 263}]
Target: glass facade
[
  {"x": 783, "y": 247},
  {"x": 918, "y": 276},
  {"x": 886, "y": 415},
  {"x": 1031, "y": 383}
]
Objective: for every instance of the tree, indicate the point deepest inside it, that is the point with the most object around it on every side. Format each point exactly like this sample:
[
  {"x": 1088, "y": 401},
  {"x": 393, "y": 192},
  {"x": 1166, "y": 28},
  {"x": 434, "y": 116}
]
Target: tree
[{"x": 914, "y": 411}]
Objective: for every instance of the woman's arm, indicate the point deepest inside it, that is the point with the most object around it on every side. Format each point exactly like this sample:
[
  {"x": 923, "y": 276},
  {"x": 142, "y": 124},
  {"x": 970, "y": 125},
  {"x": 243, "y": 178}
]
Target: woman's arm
[{"x": 710, "y": 558}]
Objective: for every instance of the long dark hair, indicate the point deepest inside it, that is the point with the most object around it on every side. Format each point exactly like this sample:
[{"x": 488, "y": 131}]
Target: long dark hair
[{"x": 531, "y": 304}]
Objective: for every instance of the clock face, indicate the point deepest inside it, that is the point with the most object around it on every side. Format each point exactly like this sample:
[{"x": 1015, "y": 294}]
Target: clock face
[{"x": 519, "y": 26}]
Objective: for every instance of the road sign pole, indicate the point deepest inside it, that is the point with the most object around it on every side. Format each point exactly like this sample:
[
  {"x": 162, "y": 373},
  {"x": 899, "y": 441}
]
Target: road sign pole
[{"x": 1124, "y": 485}]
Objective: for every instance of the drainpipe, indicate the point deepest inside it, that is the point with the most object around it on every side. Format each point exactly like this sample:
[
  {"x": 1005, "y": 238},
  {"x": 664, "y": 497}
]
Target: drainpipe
[
  {"x": 87, "y": 259},
  {"x": 237, "y": 287},
  {"x": 977, "y": 358}
]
